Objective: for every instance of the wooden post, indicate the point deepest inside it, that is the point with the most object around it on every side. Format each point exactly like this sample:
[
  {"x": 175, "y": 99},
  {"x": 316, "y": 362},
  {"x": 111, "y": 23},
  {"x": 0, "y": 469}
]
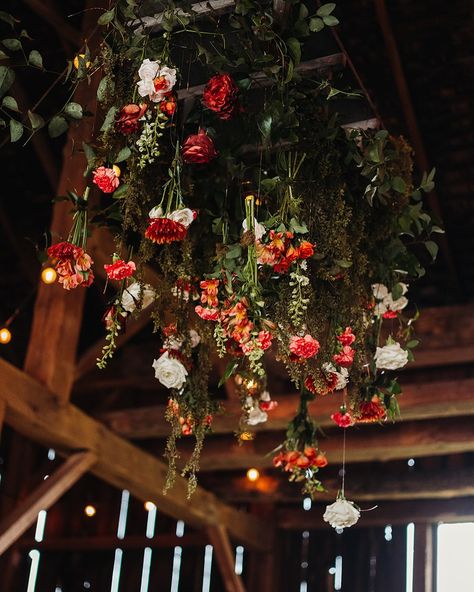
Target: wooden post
[
  {"x": 18, "y": 522},
  {"x": 225, "y": 558},
  {"x": 423, "y": 558},
  {"x": 3, "y": 407},
  {"x": 261, "y": 566}
]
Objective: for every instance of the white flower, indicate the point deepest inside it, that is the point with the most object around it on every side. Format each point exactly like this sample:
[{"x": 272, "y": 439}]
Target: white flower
[
  {"x": 194, "y": 337},
  {"x": 259, "y": 229},
  {"x": 265, "y": 396},
  {"x": 155, "y": 80},
  {"x": 342, "y": 375},
  {"x": 185, "y": 216},
  {"x": 380, "y": 309},
  {"x": 173, "y": 342},
  {"x": 131, "y": 296},
  {"x": 391, "y": 357},
  {"x": 256, "y": 416},
  {"x": 395, "y": 305},
  {"x": 156, "y": 212},
  {"x": 341, "y": 514},
  {"x": 169, "y": 371},
  {"x": 380, "y": 291}
]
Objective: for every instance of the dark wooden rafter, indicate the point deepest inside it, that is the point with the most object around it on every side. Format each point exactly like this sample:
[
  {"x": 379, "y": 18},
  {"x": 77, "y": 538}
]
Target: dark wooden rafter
[
  {"x": 33, "y": 410},
  {"x": 416, "y": 138},
  {"x": 63, "y": 28},
  {"x": 42, "y": 498}
]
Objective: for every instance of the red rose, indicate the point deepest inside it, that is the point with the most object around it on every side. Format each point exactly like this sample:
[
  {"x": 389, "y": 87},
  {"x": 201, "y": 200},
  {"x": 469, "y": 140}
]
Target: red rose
[
  {"x": 343, "y": 420},
  {"x": 304, "y": 347},
  {"x": 198, "y": 149},
  {"x": 221, "y": 96},
  {"x": 345, "y": 358},
  {"x": 106, "y": 179},
  {"x": 165, "y": 231},
  {"x": 346, "y": 338},
  {"x": 303, "y": 462},
  {"x": 305, "y": 250},
  {"x": 320, "y": 461},
  {"x": 168, "y": 105},
  {"x": 120, "y": 270},
  {"x": 127, "y": 121}
]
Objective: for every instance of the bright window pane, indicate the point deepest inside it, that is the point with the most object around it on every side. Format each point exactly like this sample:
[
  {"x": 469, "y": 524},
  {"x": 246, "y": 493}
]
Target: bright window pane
[{"x": 455, "y": 557}]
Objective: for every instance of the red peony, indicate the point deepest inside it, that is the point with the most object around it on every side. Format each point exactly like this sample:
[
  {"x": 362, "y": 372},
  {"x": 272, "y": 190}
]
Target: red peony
[
  {"x": 221, "y": 96},
  {"x": 343, "y": 420},
  {"x": 106, "y": 179},
  {"x": 198, "y": 149},
  {"x": 128, "y": 119},
  {"x": 208, "y": 314},
  {"x": 304, "y": 347},
  {"x": 346, "y": 338},
  {"x": 120, "y": 270},
  {"x": 305, "y": 250},
  {"x": 165, "y": 231},
  {"x": 168, "y": 105},
  {"x": 346, "y": 357}
]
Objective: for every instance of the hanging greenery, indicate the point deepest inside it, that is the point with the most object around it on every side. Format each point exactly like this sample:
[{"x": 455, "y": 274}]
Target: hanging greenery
[{"x": 273, "y": 230}]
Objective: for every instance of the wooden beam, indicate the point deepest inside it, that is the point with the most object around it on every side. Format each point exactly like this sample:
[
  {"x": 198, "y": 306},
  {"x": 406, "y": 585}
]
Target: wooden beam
[
  {"x": 419, "y": 401},
  {"x": 403, "y": 512},
  {"x": 225, "y": 558},
  {"x": 58, "y": 312},
  {"x": 423, "y": 558},
  {"x": 24, "y": 516},
  {"x": 33, "y": 411},
  {"x": 368, "y": 443},
  {"x": 3, "y": 407}
]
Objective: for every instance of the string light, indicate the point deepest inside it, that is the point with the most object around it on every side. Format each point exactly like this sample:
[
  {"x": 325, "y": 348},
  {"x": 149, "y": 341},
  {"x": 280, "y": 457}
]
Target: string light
[
  {"x": 149, "y": 506},
  {"x": 82, "y": 57},
  {"x": 90, "y": 511},
  {"x": 49, "y": 275},
  {"x": 253, "y": 474},
  {"x": 116, "y": 170},
  {"x": 5, "y": 336},
  {"x": 246, "y": 436}
]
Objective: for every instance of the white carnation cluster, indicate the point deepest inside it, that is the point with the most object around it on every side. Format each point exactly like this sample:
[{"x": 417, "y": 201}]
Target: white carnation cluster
[
  {"x": 342, "y": 375},
  {"x": 385, "y": 302},
  {"x": 342, "y": 513}
]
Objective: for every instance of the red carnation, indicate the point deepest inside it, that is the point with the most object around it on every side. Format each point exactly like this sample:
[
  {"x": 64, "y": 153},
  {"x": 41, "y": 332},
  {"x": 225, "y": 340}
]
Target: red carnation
[
  {"x": 128, "y": 119},
  {"x": 346, "y": 338},
  {"x": 304, "y": 347},
  {"x": 198, "y": 149},
  {"x": 165, "y": 231},
  {"x": 371, "y": 411},
  {"x": 64, "y": 250},
  {"x": 106, "y": 179},
  {"x": 345, "y": 358},
  {"x": 390, "y": 314},
  {"x": 120, "y": 270},
  {"x": 265, "y": 339},
  {"x": 208, "y": 314},
  {"x": 343, "y": 420},
  {"x": 221, "y": 96}
]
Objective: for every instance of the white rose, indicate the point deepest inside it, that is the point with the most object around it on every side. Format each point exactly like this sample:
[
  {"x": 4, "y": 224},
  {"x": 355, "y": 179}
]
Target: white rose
[
  {"x": 148, "y": 70},
  {"x": 380, "y": 309},
  {"x": 265, "y": 396},
  {"x": 156, "y": 212},
  {"x": 391, "y": 357},
  {"x": 194, "y": 337},
  {"x": 256, "y": 416},
  {"x": 259, "y": 229},
  {"x": 168, "y": 76},
  {"x": 341, "y": 514},
  {"x": 131, "y": 296},
  {"x": 169, "y": 371},
  {"x": 185, "y": 216},
  {"x": 146, "y": 88},
  {"x": 380, "y": 291}
]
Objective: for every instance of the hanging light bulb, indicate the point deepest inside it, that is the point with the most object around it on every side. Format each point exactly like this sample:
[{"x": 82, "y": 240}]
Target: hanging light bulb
[
  {"x": 49, "y": 275},
  {"x": 253, "y": 475},
  {"x": 149, "y": 506},
  {"x": 90, "y": 511},
  {"x": 5, "y": 336}
]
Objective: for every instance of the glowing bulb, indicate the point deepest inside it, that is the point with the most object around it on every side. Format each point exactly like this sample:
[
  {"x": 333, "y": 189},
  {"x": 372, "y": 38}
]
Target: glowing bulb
[
  {"x": 149, "y": 506},
  {"x": 116, "y": 170},
  {"x": 81, "y": 56},
  {"x": 246, "y": 436},
  {"x": 90, "y": 511},
  {"x": 5, "y": 335},
  {"x": 253, "y": 474},
  {"x": 49, "y": 275}
]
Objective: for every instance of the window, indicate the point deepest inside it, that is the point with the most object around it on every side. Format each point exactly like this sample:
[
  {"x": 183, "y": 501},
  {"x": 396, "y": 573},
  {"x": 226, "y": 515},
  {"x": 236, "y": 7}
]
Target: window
[{"x": 455, "y": 565}]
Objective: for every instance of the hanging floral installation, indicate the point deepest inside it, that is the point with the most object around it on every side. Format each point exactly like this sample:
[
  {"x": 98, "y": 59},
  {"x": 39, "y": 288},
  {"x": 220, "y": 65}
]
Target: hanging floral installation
[{"x": 273, "y": 231}]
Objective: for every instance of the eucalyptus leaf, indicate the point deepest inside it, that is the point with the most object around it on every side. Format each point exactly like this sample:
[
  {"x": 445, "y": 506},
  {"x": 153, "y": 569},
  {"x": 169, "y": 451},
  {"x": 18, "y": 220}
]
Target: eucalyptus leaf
[
  {"x": 35, "y": 59},
  {"x": 316, "y": 24},
  {"x": 330, "y": 21},
  {"x": 10, "y": 103},
  {"x": 106, "y": 18},
  {"x": 121, "y": 191},
  {"x": 123, "y": 154},
  {"x": 432, "y": 249},
  {"x": 16, "y": 130},
  {"x": 73, "y": 110},
  {"x": 12, "y": 44},
  {"x": 294, "y": 47},
  {"x": 36, "y": 120},
  {"x": 109, "y": 119},
  {"x": 399, "y": 184},
  {"x": 326, "y": 9},
  {"x": 7, "y": 78},
  {"x": 6, "y": 17},
  {"x": 57, "y": 126}
]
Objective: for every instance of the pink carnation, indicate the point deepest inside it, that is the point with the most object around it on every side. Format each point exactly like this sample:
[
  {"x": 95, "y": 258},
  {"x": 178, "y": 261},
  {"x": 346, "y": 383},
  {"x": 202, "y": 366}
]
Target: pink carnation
[
  {"x": 304, "y": 347},
  {"x": 120, "y": 270},
  {"x": 345, "y": 358},
  {"x": 106, "y": 179},
  {"x": 208, "y": 314},
  {"x": 265, "y": 339}
]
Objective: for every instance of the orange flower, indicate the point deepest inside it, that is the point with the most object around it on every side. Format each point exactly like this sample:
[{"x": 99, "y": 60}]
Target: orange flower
[{"x": 305, "y": 250}]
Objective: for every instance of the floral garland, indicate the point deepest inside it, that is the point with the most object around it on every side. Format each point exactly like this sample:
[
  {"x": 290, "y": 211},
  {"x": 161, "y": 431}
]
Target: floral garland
[{"x": 271, "y": 228}]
